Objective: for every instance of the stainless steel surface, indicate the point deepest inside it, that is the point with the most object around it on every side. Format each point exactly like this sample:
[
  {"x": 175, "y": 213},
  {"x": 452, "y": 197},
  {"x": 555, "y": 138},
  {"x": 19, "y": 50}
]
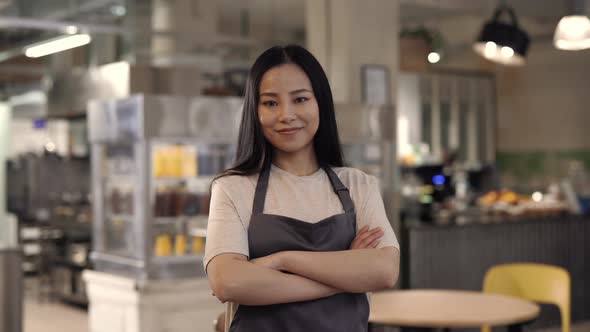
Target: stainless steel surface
[
  {"x": 146, "y": 117},
  {"x": 11, "y": 287},
  {"x": 72, "y": 90}
]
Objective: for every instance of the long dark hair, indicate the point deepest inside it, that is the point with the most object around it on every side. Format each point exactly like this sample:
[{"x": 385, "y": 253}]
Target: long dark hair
[{"x": 254, "y": 152}]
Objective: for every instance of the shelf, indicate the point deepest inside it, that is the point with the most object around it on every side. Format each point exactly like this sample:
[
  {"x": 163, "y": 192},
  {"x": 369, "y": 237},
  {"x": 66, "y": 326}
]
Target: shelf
[
  {"x": 189, "y": 258},
  {"x": 201, "y": 179},
  {"x": 199, "y": 219},
  {"x": 200, "y": 232},
  {"x": 118, "y": 179},
  {"x": 124, "y": 217},
  {"x": 61, "y": 261}
]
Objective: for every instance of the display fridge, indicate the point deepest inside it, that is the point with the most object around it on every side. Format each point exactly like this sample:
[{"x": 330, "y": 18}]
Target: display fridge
[{"x": 153, "y": 160}]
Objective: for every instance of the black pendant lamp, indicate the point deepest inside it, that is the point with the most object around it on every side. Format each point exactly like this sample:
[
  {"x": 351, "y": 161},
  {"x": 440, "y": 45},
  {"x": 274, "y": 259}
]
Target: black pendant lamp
[{"x": 502, "y": 42}]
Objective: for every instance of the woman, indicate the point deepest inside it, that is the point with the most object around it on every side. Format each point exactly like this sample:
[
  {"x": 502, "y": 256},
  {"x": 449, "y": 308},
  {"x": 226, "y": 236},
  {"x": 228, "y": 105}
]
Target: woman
[{"x": 284, "y": 219}]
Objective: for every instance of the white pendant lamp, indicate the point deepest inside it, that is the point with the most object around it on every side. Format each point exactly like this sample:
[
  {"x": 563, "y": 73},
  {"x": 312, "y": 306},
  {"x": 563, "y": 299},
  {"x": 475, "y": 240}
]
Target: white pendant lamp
[{"x": 573, "y": 31}]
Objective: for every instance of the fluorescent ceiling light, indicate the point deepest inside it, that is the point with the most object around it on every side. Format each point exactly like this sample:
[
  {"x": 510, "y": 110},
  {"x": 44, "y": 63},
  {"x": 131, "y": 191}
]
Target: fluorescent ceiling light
[
  {"x": 572, "y": 33},
  {"x": 57, "y": 45}
]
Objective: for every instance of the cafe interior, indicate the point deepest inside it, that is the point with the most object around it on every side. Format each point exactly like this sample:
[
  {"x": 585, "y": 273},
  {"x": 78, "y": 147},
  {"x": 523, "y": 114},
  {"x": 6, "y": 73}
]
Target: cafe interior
[{"x": 116, "y": 115}]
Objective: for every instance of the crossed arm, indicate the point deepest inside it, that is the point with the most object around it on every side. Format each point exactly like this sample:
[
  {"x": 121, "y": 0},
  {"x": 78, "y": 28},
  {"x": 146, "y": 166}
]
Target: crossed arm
[{"x": 292, "y": 276}]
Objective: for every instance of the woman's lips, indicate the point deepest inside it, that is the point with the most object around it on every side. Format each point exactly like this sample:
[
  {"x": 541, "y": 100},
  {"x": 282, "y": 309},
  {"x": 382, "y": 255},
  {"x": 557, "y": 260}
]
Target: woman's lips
[{"x": 288, "y": 131}]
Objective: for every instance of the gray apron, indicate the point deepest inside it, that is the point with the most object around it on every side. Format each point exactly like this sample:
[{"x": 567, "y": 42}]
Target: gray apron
[{"x": 268, "y": 234}]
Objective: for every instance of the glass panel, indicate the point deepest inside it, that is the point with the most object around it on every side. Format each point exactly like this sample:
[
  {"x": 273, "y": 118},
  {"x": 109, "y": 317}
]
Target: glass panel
[
  {"x": 463, "y": 130},
  {"x": 426, "y": 120},
  {"x": 445, "y": 122},
  {"x": 481, "y": 132},
  {"x": 119, "y": 171},
  {"x": 181, "y": 176}
]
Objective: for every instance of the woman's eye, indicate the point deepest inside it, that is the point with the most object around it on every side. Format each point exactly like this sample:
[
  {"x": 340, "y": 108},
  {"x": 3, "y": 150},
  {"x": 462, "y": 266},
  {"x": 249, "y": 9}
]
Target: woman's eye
[
  {"x": 301, "y": 99},
  {"x": 270, "y": 103}
]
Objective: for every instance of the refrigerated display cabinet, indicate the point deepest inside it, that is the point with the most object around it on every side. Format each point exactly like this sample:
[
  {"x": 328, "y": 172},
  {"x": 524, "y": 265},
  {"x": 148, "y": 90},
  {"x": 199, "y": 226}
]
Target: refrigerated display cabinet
[{"x": 153, "y": 160}]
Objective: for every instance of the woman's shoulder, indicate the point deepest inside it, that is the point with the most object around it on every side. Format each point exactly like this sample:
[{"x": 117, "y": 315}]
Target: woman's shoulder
[
  {"x": 233, "y": 182},
  {"x": 354, "y": 177}
]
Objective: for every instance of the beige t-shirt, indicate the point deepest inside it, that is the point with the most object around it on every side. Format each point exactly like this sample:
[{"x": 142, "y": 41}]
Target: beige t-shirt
[{"x": 308, "y": 198}]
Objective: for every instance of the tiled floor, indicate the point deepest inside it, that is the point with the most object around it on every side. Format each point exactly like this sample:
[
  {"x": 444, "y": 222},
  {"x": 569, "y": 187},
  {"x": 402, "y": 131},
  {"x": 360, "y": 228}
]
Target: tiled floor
[
  {"x": 42, "y": 316},
  {"x": 53, "y": 317},
  {"x": 45, "y": 316}
]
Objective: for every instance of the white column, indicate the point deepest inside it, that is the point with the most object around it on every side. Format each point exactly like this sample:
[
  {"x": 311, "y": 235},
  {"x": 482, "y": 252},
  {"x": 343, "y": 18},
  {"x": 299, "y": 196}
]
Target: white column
[
  {"x": 346, "y": 34},
  {"x": 8, "y": 227},
  {"x": 187, "y": 24},
  {"x": 5, "y": 120}
]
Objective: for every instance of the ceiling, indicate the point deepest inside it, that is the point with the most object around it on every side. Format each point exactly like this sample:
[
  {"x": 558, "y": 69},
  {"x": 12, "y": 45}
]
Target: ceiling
[{"x": 23, "y": 22}]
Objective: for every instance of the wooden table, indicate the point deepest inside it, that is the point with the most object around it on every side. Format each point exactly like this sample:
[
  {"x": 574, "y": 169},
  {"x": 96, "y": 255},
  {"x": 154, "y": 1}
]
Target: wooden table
[{"x": 449, "y": 309}]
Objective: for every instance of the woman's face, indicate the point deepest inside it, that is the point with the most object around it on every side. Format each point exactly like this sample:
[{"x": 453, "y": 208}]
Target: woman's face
[{"x": 287, "y": 109}]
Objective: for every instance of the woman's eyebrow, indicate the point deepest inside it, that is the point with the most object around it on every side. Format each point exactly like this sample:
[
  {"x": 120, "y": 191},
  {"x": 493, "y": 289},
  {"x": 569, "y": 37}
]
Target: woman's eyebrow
[
  {"x": 294, "y": 92},
  {"x": 274, "y": 94}
]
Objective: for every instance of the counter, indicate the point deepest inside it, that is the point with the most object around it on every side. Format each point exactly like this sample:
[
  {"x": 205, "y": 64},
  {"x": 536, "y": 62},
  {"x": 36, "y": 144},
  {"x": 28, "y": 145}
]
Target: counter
[{"x": 457, "y": 257}]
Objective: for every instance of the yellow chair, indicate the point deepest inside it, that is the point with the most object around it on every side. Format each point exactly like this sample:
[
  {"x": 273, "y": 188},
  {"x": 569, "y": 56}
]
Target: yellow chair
[{"x": 534, "y": 282}]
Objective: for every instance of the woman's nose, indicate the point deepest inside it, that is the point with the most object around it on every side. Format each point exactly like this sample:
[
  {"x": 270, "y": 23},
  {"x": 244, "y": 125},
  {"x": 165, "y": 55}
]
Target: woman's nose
[{"x": 287, "y": 113}]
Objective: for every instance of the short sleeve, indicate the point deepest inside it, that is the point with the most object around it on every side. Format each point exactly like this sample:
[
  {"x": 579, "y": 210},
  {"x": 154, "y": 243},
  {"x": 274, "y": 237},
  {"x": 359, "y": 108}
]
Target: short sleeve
[
  {"x": 226, "y": 232},
  {"x": 372, "y": 213}
]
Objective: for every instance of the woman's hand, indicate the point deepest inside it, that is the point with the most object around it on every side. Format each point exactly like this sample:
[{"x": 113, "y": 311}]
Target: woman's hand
[
  {"x": 273, "y": 262},
  {"x": 367, "y": 239}
]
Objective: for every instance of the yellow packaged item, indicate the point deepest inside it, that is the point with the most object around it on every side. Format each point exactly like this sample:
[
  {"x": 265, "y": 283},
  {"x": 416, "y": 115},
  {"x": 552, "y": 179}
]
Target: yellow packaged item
[
  {"x": 180, "y": 244},
  {"x": 163, "y": 245},
  {"x": 198, "y": 245}
]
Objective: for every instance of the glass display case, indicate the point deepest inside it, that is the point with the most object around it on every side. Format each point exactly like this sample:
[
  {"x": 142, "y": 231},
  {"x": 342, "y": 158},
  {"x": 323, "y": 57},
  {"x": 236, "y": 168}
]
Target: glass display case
[
  {"x": 153, "y": 160},
  {"x": 443, "y": 113}
]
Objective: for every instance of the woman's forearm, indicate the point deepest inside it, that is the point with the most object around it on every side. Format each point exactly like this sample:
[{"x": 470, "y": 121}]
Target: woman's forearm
[
  {"x": 355, "y": 271},
  {"x": 246, "y": 283}
]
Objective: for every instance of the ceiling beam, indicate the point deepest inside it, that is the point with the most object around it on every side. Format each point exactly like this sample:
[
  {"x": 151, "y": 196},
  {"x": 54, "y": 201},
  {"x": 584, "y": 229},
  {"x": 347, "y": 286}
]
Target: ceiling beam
[{"x": 83, "y": 8}]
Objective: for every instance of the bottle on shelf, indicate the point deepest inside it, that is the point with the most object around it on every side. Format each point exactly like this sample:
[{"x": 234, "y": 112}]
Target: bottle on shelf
[
  {"x": 198, "y": 244},
  {"x": 180, "y": 244},
  {"x": 163, "y": 245}
]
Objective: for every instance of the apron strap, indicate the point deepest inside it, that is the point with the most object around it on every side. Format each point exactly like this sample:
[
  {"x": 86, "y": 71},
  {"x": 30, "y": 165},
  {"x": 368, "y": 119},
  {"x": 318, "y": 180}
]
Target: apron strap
[
  {"x": 260, "y": 193},
  {"x": 340, "y": 190}
]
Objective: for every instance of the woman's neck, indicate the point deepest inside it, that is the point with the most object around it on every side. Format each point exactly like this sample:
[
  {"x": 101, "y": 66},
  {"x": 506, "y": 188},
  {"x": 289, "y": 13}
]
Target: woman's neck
[{"x": 300, "y": 163}]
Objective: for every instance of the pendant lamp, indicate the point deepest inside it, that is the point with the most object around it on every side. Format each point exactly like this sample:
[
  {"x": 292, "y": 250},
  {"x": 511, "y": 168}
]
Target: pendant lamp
[
  {"x": 573, "y": 31},
  {"x": 503, "y": 42}
]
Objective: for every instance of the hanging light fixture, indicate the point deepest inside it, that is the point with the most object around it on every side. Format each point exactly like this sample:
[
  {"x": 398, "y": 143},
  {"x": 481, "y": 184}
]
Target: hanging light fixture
[
  {"x": 504, "y": 43},
  {"x": 573, "y": 31},
  {"x": 57, "y": 44}
]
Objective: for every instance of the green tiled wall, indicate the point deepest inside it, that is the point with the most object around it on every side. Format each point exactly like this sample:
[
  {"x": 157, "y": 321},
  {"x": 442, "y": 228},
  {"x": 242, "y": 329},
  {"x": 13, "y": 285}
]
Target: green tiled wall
[{"x": 539, "y": 167}]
